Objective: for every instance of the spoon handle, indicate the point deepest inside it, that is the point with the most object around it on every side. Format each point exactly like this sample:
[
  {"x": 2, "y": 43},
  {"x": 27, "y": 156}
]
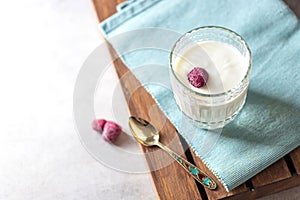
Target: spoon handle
[{"x": 194, "y": 171}]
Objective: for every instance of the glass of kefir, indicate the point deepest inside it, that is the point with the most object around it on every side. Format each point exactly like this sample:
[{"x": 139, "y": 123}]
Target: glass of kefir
[{"x": 209, "y": 72}]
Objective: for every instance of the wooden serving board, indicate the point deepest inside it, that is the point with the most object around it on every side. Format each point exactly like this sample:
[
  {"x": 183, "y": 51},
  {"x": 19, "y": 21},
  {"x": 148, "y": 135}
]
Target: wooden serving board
[{"x": 172, "y": 182}]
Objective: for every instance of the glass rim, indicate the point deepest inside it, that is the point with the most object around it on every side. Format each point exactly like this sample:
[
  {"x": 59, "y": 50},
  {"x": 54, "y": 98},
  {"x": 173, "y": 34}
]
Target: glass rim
[{"x": 217, "y": 28}]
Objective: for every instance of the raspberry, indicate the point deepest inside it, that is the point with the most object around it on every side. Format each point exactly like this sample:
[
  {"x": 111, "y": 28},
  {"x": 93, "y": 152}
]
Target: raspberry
[
  {"x": 198, "y": 77},
  {"x": 111, "y": 131},
  {"x": 98, "y": 124}
]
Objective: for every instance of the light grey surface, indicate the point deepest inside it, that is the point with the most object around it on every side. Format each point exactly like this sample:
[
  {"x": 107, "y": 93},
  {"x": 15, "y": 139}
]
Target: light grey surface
[{"x": 43, "y": 45}]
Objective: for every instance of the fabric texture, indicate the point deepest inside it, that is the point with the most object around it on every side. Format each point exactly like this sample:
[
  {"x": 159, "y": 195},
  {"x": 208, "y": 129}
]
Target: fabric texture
[{"x": 268, "y": 126}]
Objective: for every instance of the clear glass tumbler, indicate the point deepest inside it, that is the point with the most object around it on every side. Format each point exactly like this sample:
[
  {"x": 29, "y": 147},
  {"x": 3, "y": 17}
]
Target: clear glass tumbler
[{"x": 214, "y": 110}]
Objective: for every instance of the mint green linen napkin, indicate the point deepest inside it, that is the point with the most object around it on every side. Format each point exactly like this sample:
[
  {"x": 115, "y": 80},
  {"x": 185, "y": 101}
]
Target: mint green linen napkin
[{"x": 268, "y": 126}]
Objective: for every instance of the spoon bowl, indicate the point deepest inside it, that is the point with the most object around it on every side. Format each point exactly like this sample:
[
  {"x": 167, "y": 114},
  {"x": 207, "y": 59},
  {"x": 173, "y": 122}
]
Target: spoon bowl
[{"x": 144, "y": 132}]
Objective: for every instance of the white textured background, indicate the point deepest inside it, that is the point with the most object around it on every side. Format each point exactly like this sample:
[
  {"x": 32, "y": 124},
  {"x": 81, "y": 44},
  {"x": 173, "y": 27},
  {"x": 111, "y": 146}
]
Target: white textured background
[{"x": 42, "y": 46}]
